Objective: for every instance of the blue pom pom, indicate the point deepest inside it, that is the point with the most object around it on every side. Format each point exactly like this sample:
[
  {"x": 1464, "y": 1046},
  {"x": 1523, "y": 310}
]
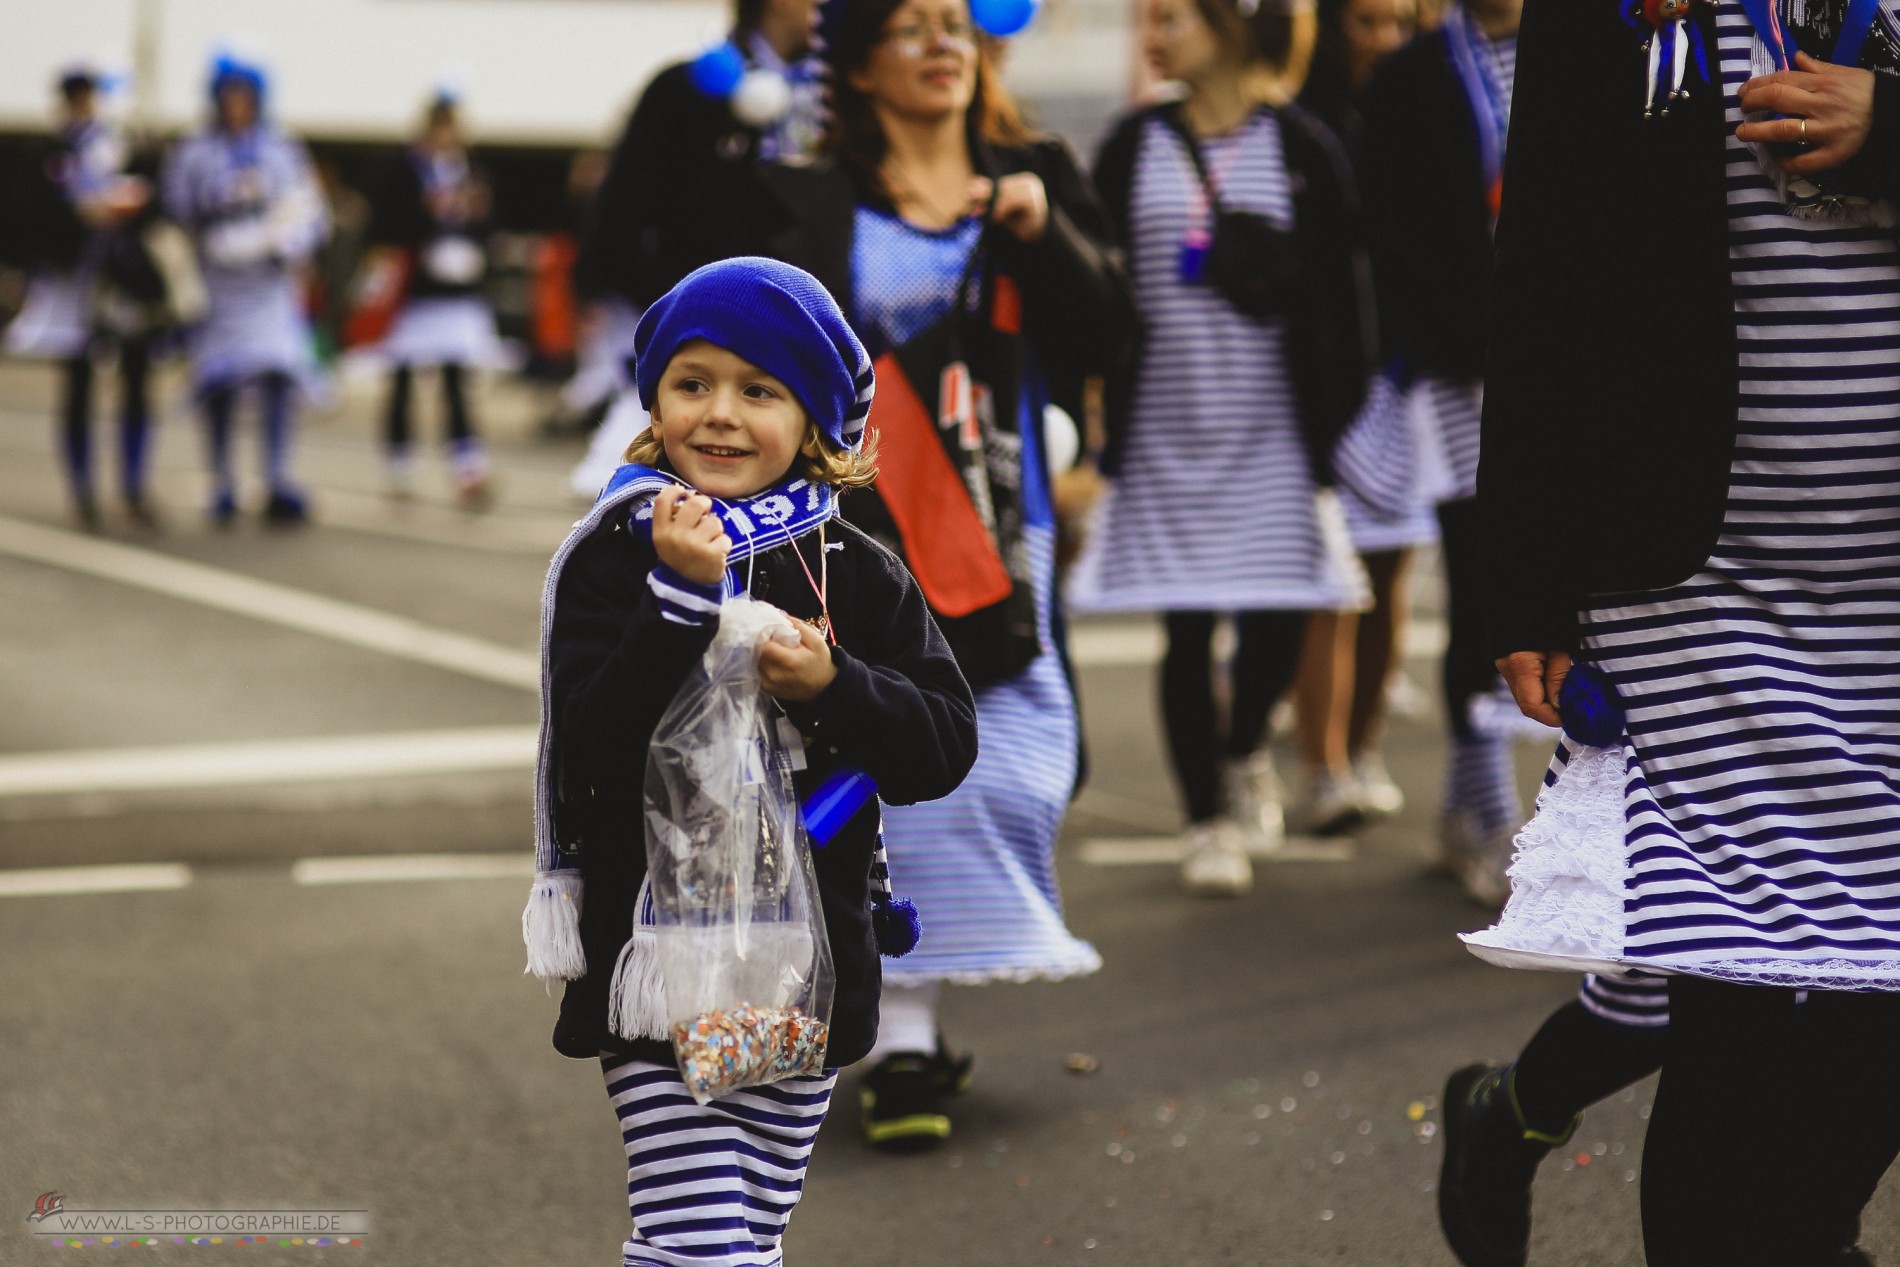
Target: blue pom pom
[
  {"x": 1003, "y": 18},
  {"x": 897, "y": 927},
  {"x": 1587, "y": 703},
  {"x": 717, "y": 71}
]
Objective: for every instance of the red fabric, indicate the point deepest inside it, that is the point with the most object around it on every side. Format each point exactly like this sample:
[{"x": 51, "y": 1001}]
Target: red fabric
[
  {"x": 379, "y": 297},
  {"x": 555, "y": 328},
  {"x": 1006, "y": 306},
  {"x": 948, "y": 548}
]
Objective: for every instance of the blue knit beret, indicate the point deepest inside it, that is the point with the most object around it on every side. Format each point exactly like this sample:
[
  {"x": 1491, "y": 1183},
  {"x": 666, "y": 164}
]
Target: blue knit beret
[{"x": 779, "y": 318}]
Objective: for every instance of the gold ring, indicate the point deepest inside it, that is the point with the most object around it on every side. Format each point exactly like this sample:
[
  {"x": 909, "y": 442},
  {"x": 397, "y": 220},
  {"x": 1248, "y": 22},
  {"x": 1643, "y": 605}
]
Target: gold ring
[{"x": 1802, "y": 136}]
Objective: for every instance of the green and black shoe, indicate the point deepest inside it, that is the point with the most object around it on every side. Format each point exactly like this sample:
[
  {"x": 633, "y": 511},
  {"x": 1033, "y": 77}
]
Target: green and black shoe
[
  {"x": 903, "y": 1099},
  {"x": 1491, "y": 1158}
]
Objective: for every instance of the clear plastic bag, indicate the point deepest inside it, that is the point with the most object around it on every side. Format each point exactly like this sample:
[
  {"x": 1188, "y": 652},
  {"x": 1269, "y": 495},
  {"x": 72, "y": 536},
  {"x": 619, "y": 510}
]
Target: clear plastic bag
[{"x": 740, "y": 932}]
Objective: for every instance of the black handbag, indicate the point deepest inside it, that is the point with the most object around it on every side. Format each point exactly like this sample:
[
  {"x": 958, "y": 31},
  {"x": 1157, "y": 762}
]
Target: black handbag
[{"x": 1250, "y": 260}]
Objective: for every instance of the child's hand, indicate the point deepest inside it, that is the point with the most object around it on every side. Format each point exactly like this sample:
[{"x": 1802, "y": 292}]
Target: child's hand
[
  {"x": 688, "y": 537},
  {"x": 798, "y": 673}
]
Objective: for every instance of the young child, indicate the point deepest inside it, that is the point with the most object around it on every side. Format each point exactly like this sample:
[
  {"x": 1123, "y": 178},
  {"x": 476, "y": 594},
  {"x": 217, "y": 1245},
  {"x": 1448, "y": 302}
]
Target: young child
[{"x": 758, "y": 392}]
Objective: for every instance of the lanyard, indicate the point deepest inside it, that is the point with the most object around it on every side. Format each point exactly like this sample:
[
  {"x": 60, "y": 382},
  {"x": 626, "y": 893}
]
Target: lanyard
[
  {"x": 1856, "y": 24},
  {"x": 821, "y": 584}
]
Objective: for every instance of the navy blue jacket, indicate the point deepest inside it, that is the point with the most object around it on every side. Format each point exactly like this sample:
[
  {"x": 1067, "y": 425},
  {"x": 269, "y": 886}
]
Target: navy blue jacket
[{"x": 899, "y": 710}]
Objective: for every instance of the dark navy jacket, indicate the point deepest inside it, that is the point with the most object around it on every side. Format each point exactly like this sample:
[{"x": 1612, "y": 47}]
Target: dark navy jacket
[{"x": 899, "y": 710}]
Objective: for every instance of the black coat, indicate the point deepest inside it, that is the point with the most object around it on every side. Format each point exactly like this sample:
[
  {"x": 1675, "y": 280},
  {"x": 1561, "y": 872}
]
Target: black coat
[
  {"x": 1611, "y": 389},
  {"x": 401, "y": 217},
  {"x": 1076, "y": 301},
  {"x": 899, "y": 710},
  {"x": 1427, "y": 223},
  {"x": 1330, "y": 344},
  {"x": 673, "y": 184}
]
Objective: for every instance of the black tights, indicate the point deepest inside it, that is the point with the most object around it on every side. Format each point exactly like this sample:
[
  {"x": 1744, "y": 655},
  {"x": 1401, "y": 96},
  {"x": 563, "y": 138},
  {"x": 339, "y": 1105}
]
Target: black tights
[
  {"x": 1265, "y": 658},
  {"x": 396, "y": 428},
  {"x": 1578, "y": 1058},
  {"x": 135, "y": 360},
  {"x": 1773, "y": 1124},
  {"x": 1468, "y": 669}
]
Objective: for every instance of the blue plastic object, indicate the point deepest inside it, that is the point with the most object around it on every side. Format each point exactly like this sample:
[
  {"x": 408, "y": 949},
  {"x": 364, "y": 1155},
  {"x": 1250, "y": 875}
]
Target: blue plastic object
[
  {"x": 717, "y": 71},
  {"x": 832, "y": 805},
  {"x": 1003, "y": 18}
]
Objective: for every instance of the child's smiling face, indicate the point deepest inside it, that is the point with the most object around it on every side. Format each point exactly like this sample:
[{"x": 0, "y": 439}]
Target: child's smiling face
[{"x": 729, "y": 428}]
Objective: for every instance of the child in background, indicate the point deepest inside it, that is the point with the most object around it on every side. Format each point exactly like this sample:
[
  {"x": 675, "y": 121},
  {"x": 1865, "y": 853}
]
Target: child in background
[{"x": 758, "y": 393}]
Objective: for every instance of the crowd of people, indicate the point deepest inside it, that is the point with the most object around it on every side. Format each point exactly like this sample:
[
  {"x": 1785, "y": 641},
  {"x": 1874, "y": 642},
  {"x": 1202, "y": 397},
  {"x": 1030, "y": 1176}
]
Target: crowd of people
[
  {"x": 1369, "y": 281},
  {"x": 211, "y": 248}
]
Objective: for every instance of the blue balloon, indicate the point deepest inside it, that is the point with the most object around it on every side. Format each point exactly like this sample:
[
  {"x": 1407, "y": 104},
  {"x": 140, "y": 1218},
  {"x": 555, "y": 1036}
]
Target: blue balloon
[
  {"x": 1003, "y": 18},
  {"x": 717, "y": 71}
]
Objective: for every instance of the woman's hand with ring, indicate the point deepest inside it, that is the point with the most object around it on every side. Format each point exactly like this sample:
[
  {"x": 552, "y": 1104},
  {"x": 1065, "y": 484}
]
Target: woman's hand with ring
[{"x": 1828, "y": 108}]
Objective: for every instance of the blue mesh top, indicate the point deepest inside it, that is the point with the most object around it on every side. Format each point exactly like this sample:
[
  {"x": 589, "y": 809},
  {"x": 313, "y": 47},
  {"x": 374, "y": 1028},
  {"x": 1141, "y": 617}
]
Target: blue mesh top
[{"x": 905, "y": 277}]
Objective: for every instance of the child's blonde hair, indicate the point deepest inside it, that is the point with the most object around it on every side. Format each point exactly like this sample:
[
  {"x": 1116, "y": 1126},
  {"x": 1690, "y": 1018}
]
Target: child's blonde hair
[{"x": 820, "y": 461}]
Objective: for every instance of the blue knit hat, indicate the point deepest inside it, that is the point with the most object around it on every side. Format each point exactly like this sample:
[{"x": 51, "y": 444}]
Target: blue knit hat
[
  {"x": 236, "y": 70},
  {"x": 777, "y": 317}
]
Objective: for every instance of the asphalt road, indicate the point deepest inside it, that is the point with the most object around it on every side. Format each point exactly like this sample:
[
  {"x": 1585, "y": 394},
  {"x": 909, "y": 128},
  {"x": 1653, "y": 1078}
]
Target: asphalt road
[{"x": 257, "y": 1031}]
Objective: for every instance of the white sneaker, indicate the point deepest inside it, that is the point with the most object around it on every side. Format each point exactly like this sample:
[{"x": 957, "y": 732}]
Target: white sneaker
[
  {"x": 1379, "y": 796},
  {"x": 1483, "y": 871},
  {"x": 1457, "y": 839},
  {"x": 399, "y": 475},
  {"x": 1216, "y": 865},
  {"x": 1252, "y": 790},
  {"x": 1330, "y": 806}
]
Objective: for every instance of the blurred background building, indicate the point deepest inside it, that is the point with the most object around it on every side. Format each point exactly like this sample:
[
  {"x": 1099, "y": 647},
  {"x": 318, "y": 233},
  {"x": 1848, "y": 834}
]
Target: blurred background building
[{"x": 546, "y": 86}]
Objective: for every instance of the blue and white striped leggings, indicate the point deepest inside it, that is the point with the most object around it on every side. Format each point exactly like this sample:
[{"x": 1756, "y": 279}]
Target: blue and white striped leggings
[{"x": 712, "y": 1185}]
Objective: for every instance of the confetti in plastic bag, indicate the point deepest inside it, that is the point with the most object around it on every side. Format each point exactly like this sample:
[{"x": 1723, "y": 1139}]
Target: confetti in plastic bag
[{"x": 739, "y": 929}]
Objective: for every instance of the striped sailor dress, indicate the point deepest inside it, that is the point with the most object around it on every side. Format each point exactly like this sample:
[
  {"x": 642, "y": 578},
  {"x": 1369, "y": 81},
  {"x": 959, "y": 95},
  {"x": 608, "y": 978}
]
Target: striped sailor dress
[
  {"x": 980, "y": 863},
  {"x": 1215, "y": 507},
  {"x": 1747, "y": 828}
]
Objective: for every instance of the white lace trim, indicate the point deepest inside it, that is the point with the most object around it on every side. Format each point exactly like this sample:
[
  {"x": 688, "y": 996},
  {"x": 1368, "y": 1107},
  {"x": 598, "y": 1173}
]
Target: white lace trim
[
  {"x": 1567, "y": 877},
  {"x": 1820, "y": 974},
  {"x": 1080, "y": 966}
]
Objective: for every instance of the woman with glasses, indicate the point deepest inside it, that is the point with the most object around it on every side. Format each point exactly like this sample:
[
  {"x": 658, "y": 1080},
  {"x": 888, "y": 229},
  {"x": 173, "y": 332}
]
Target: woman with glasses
[
  {"x": 971, "y": 256},
  {"x": 1222, "y": 429}
]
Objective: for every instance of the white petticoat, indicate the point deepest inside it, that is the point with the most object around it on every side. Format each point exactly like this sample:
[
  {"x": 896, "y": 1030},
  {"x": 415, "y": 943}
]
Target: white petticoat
[
  {"x": 1567, "y": 878},
  {"x": 444, "y": 330},
  {"x": 56, "y": 320}
]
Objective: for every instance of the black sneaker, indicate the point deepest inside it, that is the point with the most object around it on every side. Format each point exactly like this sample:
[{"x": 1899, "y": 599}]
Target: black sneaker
[
  {"x": 1484, "y": 1185},
  {"x": 902, "y": 1098},
  {"x": 286, "y": 507}
]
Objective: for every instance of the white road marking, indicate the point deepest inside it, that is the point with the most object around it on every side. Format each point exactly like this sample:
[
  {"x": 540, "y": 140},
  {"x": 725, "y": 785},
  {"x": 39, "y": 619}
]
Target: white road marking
[
  {"x": 1133, "y": 643},
  {"x": 496, "y": 532},
  {"x": 277, "y": 604},
  {"x": 174, "y": 766},
  {"x": 1152, "y": 851},
  {"x": 440, "y": 866},
  {"x": 143, "y": 877}
]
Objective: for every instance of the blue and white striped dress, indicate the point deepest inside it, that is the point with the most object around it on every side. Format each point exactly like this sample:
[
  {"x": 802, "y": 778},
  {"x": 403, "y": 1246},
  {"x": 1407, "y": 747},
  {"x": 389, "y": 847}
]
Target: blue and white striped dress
[
  {"x": 1214, "y": 507},
  {"x": 1760, "y": 782},
  {"x": 255, "y": 189},
  {"x": 712, "y": 1185},
  {"x": 980, "y": 863}
]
